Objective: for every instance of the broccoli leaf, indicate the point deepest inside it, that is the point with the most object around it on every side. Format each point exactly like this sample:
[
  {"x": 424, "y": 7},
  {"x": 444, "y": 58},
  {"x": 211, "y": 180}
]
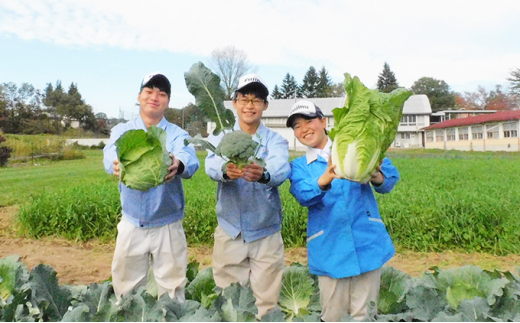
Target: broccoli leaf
[{"x": 204, "y": 85}]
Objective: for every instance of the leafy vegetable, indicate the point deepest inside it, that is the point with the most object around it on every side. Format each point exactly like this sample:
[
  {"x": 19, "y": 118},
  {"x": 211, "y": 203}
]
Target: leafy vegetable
[
  {"x": 296, "y": 293},
  {"x": 204, "y": 85},
  {"x": 364, "y": 128},
  {"x": 143, "y": 158},
  {"x": 237, "y": 147}
]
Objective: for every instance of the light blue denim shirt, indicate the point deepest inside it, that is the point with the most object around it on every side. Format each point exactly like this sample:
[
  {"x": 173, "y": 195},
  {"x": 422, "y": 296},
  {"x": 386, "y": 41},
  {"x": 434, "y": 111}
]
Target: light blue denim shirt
[
  {"x": 165, "y": 203},
  {"x": 252, "y": 209}
]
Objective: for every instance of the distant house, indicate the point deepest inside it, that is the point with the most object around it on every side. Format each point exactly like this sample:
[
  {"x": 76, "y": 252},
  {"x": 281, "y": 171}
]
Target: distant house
[
  {"x": 486, "y": 132},
  {"x": 416, "y": 115}
]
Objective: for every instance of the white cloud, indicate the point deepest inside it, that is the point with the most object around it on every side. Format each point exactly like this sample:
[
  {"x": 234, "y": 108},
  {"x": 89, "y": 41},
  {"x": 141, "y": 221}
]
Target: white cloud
[{"x": 457, "y": 41}]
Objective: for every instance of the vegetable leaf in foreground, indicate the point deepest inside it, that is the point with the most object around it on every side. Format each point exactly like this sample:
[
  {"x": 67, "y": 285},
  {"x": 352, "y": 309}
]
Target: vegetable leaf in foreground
[
  {"x": 204, "y": 85},
  {"x": 143, "y": 158},
  {"x": 364, "y": 128}
]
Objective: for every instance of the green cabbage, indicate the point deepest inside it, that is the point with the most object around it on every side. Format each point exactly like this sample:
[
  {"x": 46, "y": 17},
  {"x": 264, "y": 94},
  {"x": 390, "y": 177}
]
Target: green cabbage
[
  {"x": 143, "y": 158},
  {"x": 364, "y": 128}
]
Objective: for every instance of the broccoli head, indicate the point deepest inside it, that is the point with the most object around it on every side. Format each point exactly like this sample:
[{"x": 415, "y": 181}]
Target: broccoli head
[{"x": 237, "y": 147}]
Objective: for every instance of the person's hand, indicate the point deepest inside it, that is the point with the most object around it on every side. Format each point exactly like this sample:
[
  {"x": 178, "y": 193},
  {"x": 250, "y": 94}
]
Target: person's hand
[
  {"x": 252, "y": 172},
  {"x": 233, "y": 172},
  {"x": 377, "y": 177},
  {"x": 328, "y": 176},
  {"x": 116, "y": 168},
  {"x": 172, "y": 170}
]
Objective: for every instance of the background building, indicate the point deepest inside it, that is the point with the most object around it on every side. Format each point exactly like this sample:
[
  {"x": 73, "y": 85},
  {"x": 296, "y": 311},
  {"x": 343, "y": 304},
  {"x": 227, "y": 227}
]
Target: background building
[
  {"x": 419, "y": 127},
  {"x": 487, "y": 132}
]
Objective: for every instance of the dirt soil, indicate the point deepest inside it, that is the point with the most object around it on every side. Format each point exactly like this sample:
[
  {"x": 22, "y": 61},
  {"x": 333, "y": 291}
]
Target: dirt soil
[{"x": 83, "y": 263}]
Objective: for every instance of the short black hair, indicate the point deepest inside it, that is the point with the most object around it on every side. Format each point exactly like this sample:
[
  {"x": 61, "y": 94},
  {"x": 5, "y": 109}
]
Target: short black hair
[
  {"x": 160, "y": 82},
  {"x": 253, "y": 89}
]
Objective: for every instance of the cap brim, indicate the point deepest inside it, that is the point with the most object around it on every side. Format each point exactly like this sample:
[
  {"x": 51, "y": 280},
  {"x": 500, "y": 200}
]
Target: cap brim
[
  {"x": 254, "y": 86},
  {"x": 290, "y": 120}
]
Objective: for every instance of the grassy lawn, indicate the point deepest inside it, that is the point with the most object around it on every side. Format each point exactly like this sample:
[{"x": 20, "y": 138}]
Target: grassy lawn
[{"x": 19, "y": 183}]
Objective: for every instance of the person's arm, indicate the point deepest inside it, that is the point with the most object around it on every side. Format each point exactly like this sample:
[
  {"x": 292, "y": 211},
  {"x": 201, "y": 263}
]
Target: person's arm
[
  {"x": 304, "y": 185},
  {"x": 389, "y": 174},
  {"x": 184, "y": 158},
  {"x": 277, "y": 167},
  {"x": 110, "y": 158},
  {"x": 214, "y": 163}
]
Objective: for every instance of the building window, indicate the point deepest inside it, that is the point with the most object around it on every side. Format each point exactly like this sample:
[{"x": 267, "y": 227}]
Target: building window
[
  {"x": 450, "y": 134},
  {"x": 429, "y": 136},
  {"x": 492, "y": 131},
  {"x": 405, "y": 135},
  {"x": 463, "y": 133},
  {"x": 408, "y": 120},
  {"x": 511, "y": 129},
  {"x": 439, "y": 135},
  {"x": 477, "y": 132}
]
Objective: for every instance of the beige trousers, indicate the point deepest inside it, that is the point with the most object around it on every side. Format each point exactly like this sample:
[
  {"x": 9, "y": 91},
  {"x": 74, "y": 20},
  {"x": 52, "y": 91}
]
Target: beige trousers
[
  {"x": 259, "y": 262},
  {"x": 163, "y": 247},
  {"x": 350, "y": 295}
]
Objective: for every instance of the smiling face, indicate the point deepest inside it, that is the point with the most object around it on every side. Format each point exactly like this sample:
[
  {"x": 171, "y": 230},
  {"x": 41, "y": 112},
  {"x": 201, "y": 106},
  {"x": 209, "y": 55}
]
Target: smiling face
[
  {"x": 249, "y": 109},
  {"x": 311, "y": 132},
  {"x": 153, "y": 103}
]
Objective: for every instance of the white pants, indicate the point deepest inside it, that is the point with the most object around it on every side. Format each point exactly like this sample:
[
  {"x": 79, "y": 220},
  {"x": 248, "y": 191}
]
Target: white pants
[
  {"x": 350, "y": 295},
  {"x": 164, "y": 247},
  {"x": 259, "y": 262}
]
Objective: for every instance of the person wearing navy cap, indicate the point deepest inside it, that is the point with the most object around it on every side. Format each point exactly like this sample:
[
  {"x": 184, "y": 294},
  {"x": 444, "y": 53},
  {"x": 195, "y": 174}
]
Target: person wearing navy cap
[{"x": 150, "y": 231}]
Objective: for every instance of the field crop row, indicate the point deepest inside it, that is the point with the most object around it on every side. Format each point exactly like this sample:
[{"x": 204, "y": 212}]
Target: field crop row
[{"x": 444, "y": 201}]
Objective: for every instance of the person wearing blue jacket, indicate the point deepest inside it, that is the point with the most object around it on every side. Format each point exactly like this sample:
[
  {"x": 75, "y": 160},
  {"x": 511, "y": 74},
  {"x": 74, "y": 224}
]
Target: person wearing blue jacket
[
  {"x": 150, "y": 229},
  {"x": 248, "y": 245},
  {"x": 347, "y": 240}
]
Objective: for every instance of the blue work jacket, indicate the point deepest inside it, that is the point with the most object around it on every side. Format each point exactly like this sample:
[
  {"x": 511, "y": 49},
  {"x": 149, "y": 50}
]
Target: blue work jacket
[
  {"x": 165, "y": 203},
  {"x": 251, "y": 208},
  {"x": 345, "y": 234}
]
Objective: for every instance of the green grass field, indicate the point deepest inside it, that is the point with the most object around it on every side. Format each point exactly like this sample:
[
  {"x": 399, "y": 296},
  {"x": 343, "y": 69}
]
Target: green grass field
[{"x": 444, "y": 201}]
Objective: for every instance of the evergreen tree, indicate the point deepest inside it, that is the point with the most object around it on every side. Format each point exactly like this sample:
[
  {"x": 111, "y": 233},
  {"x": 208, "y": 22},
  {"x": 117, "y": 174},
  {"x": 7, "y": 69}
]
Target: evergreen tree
[
  {"x": 386, "y": 82},
  {"x": 276, "y": 94},
  {"x": 289, "y": 87},
  {"x": 324, "y": 89},
  {"x": 309, "y": 88}
]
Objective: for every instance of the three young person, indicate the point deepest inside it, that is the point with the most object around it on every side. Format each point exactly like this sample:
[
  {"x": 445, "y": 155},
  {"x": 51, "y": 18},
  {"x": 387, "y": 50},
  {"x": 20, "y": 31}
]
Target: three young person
[{"x": 347, "y": 240}]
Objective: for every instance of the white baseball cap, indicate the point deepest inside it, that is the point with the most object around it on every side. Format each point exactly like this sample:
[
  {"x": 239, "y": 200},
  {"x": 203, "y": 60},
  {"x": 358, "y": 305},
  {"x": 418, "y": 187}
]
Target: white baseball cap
[
  {"x": 303, "y": 108},
  {"x": 252, "y": 80}
]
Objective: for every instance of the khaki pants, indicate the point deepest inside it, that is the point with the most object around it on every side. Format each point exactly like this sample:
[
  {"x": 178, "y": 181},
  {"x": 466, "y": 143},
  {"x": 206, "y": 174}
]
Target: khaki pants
[
  {"x": 166, "y": 248},
  {"x": 350, "y": 295},
  {"x": 259, "y": 262}
]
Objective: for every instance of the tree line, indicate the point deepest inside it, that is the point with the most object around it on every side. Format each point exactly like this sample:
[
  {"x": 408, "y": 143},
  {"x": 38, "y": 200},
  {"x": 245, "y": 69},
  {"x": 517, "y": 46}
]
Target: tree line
[
  {"x": 26, "y": 110},
  {"x": 231, "y": 63}
]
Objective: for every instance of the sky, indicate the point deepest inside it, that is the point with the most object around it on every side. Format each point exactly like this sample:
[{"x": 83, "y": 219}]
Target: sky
[{"x": 106, "y": 47}]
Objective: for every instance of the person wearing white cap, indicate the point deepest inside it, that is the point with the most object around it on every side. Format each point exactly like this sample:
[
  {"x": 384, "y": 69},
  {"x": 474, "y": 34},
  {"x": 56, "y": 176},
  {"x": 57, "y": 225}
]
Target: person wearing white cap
[
  {"x": 347, "y": 241},
  {"x": 150, "y": 229},
  {"x": 248, "y": 244}
]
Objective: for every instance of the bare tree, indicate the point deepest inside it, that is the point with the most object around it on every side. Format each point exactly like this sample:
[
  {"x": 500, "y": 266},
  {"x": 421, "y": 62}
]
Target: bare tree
[{"x": 230, "y": 64}]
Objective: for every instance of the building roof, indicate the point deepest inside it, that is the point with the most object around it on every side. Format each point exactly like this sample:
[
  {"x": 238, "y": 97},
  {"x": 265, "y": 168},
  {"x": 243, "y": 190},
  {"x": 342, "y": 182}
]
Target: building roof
[
  {"x": 417, "y": 104},
  {"x": 483, "y": 118}
]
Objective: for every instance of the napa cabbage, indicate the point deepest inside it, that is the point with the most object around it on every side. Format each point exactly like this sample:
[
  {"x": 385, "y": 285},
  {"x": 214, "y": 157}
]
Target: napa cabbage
[
  {"x": 364, "y": 128},
  {"x": 143, "y": 158}
]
